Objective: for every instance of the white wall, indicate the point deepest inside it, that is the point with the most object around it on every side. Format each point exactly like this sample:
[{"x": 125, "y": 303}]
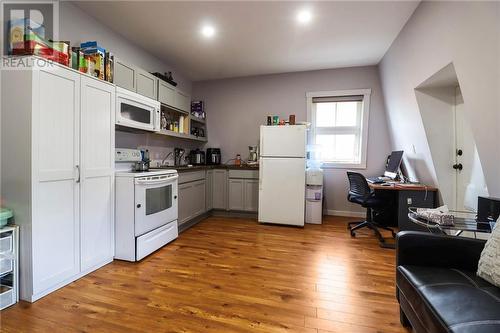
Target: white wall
[
  {"x": 466, "y": 34},
  {"x": 237, "y": 107},
  {"x": 437, "y": 109},
  {"x": 77, "y": 26}
]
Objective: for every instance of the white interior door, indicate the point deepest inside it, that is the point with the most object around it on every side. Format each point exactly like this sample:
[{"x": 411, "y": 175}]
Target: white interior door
[
  {"x": 55, "y": 157},
  {"x": 470, "y": 182},
  {"x": 97, "y": 176},
  {"x": 283, "y": 141},
  {"x": 282, "y": 190}
]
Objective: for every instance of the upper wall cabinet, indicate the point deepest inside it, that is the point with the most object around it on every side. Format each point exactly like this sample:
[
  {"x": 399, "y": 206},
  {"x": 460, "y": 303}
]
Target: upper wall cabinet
[
  {"x": 135, "y": 79},
  {"x": 146, "y": 83},
  {"x": 182, "y": 101},
  {"x": 124, "y": 75},
  {"x": 166, "y": 93},
  {"x": 140, "y": 81},
  {"x": 173, "y": 97}
]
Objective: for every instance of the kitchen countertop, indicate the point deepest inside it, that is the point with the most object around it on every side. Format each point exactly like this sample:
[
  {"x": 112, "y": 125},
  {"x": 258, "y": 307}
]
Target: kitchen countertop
[{"x": 208, "y": 167}]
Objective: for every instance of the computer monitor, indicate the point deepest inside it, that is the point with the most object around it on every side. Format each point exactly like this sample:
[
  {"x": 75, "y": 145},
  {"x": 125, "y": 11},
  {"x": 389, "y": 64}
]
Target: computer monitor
[{"x": 391, "y": 170}]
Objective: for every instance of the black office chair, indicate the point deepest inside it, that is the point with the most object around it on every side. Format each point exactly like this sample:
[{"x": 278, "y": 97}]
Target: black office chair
[{"x": 361, "y": 194}]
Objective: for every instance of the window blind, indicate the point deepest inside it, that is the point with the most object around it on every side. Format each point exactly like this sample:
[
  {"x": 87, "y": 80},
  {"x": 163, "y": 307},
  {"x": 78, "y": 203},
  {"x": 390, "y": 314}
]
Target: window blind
[{"x": 334, "y": 99}]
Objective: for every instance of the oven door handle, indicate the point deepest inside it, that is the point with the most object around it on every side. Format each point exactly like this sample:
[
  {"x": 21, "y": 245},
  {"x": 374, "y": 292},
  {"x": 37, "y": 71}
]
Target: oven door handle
[{"x": 156, "y": 181}]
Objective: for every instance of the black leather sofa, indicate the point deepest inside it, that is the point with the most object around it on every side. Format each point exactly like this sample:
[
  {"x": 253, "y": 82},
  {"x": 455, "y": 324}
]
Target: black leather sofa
[{"x": 437, "y": 287}]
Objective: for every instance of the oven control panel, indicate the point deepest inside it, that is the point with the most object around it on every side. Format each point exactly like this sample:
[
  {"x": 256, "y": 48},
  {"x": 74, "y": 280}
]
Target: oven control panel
[{"x": 127, "y": 155}]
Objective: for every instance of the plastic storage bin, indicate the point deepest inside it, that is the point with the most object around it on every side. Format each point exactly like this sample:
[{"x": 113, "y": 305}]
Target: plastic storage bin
[{"x": 5, "y": 215}]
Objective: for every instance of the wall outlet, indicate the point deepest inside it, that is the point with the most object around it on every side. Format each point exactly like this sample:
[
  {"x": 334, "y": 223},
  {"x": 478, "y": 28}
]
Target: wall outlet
[{"x": 409, "y": 201}]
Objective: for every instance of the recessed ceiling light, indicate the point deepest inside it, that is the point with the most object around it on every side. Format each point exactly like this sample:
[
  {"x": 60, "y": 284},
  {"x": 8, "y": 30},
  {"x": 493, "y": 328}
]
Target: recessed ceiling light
[
  {"x": 304, "y": 16},
  {"x": 208, "y": 31}
]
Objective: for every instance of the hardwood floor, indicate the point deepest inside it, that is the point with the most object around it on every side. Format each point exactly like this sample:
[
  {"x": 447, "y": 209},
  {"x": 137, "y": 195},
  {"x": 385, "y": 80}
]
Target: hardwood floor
[{"x": 231, "y": 275}]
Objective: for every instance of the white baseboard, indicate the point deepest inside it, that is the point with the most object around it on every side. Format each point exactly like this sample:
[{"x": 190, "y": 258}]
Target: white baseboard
[{"x": 344, "y": 213}]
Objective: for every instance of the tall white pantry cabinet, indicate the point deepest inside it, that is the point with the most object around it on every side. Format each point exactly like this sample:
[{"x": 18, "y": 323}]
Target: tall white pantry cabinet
[{"x": 57, "y": 150}]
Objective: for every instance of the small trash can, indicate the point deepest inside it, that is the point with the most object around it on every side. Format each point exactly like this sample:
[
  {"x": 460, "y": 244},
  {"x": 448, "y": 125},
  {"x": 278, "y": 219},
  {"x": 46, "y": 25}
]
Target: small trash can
[{"x": 314, "y": 196}]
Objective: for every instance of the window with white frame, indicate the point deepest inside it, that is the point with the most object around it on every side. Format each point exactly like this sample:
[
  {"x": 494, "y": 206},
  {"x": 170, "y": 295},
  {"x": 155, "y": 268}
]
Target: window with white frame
[{"x": 339, "y": 127}]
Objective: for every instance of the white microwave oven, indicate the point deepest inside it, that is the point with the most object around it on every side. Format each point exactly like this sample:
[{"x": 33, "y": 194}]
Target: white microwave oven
[{"x": 137, "y": 111}]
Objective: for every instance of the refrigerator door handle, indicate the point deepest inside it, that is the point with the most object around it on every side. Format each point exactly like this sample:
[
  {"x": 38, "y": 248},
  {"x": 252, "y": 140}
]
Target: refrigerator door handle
[{"x": 261, "y": 173}]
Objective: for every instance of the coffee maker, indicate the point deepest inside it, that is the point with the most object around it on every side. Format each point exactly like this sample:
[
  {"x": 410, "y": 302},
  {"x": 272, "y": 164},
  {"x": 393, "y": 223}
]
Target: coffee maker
[{"x": 253, "y": 155}]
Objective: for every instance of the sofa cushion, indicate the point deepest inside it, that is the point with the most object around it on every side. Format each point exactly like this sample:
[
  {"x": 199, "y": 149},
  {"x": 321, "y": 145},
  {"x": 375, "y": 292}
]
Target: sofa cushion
[
  {"x": 489, "y": 263},
  {"x": 450, "y": 300}
]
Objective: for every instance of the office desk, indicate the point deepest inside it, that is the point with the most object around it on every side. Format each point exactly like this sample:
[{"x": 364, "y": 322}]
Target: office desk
[{"x": 401, "y": 196}]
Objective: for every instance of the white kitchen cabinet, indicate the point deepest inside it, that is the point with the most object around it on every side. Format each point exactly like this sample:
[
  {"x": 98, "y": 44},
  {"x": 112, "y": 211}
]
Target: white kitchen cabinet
[
  {"x": 209, "y": 189},
  {"x": 146, "y": 83},
  {"x": 192, "y": 196},
  {"x": 251, "y": 195},
  {"x": 166, "y": 93},
  {"x": 135, "y": 79},
  {"x": 236, "y": 194},
  {"x": 173, "y": 97},
  {"x": 124, "y": 75},
  {"x": 185, "y": 193},
  {"x": 55, "y": 156},
  {"x": 243, "y": 190},
  {"x": 97, "y": 176},
  {"x": 219, "y": 189},
  {"x": 57, "y": 177},
  {"x": 243, "y": 194},
  {"x": 182, "y": 101},
  {"x": 200, "y": 198}
]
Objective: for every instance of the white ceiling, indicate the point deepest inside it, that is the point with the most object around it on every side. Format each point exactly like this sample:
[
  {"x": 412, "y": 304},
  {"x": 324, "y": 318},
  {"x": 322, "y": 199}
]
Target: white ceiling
[{"x": 256, "y": 37}]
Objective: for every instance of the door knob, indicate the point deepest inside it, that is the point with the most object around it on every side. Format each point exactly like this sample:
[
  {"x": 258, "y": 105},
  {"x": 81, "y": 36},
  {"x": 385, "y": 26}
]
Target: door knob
[
  {"x": 458, "y": 166},
  {"x": 460, "y": 152},
  {"x": 138, "y": 205}
]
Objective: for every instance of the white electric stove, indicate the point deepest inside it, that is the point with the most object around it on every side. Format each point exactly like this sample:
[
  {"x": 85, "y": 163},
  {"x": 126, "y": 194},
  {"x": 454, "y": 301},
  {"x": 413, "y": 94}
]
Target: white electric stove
[{"x": 146, "y": 207}]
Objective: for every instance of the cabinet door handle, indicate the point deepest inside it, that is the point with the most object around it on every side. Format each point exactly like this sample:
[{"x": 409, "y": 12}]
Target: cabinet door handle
[{"x": 79, "y": 175}]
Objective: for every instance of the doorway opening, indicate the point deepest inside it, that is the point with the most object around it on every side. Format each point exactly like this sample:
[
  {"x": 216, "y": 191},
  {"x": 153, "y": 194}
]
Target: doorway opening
[{"x": 456, "y": 160}]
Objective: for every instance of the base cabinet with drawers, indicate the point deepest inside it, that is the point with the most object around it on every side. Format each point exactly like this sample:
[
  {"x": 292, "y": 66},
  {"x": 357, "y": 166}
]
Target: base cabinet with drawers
[{"x": 59, "y": 176}]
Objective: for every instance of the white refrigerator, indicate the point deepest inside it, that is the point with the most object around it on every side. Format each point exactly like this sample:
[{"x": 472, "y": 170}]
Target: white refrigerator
[{"x": 282, "y": 174}]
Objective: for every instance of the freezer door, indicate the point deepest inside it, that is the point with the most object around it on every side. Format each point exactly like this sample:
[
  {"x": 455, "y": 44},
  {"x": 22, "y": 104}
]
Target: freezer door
[
  {"x": 282, "y": 190},
  {"x": 283, "y": 141}
]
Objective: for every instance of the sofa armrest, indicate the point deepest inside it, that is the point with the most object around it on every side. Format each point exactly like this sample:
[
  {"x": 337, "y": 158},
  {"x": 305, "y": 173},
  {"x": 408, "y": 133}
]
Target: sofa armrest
[{"x": 426, "y": 249}]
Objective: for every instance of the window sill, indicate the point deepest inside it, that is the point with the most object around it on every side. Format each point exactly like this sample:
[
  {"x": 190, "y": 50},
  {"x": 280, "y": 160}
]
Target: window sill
[{"x": 333, "y": 165}]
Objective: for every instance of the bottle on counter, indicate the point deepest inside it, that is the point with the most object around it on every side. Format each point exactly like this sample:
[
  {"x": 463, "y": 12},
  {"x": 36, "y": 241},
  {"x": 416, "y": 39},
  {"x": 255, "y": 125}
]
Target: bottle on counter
[
  {"x": 237, "y": 161},
  {"x": 163, "y": 121}
]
